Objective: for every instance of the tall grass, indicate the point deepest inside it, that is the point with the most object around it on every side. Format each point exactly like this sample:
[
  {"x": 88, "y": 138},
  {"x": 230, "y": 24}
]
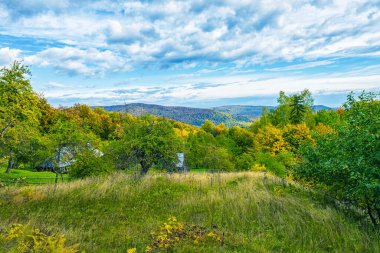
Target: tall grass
[{"x": 118, "y": 212}]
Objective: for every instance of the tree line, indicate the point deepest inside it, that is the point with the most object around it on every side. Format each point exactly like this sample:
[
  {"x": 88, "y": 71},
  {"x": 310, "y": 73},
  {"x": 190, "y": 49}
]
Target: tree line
[{"x": 334, "y": 150}]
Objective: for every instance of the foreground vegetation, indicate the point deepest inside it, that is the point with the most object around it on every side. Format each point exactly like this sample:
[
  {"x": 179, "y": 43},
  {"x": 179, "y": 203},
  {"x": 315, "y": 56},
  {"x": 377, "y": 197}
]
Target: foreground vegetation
[{"x": 249, "y": 211}]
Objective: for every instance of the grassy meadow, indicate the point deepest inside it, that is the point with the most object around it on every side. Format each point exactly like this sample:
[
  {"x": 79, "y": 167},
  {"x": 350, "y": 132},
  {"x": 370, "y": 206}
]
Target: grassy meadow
[
  {"x": 252, "y": 211},
  {"x": 29, "y": 177}
]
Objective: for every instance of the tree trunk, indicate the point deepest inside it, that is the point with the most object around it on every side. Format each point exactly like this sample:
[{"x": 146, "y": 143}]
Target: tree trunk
[
  {"x": 378, "y": 214},
  {"x": 369, "y": 210},
  {"x": 144, "y": 167},
  {"x": 10, "y": 164},
  {"x": 57, "y": 169}
]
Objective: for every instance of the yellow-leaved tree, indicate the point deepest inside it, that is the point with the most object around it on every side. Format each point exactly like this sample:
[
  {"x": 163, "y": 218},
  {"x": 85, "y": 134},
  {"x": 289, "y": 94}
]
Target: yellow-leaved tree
[{"x": 269, "y": 139}]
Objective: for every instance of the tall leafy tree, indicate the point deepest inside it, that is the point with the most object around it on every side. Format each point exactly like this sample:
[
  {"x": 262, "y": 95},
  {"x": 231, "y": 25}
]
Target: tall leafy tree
[
  {"x": 147, "y": 142},
  {"x": 18, "y": 109},
  {"x": 206, "y": 152},
  {"x": 21, "y": 143},
  {"x": 17, "y": 98},
  {"x": 67, "y": 140}
]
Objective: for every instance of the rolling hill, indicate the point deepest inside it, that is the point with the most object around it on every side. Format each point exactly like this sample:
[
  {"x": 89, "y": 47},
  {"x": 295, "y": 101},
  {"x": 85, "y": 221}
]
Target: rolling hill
[
  {"x": 253, "y": 112},
  {"x": 189, "y": 115},
  {"x": 248, "y": 111},
  {"x": 230, "y": 115}
]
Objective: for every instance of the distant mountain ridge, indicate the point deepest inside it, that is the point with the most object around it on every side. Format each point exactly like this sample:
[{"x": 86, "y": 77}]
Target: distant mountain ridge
[
  {"x": 230, "y": 115},
  {"x": 252, "y": 111},
  {"x": 189, "y": 115}
]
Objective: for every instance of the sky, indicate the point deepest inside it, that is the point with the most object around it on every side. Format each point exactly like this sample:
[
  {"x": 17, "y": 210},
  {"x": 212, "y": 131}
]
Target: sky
[{"x": 193, "y": 53}]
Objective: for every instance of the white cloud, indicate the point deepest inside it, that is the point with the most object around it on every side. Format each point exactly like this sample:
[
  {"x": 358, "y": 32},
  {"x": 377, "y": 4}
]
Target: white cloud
[
  {"x": 168, "y": 33},
  {"x": 79, "y": 61},
  {"x": 8, "y": 55},
  {"x": 214, "y": 88},
  {"x": 55, "y": 85},
  {"x": 302, "y": 66}
]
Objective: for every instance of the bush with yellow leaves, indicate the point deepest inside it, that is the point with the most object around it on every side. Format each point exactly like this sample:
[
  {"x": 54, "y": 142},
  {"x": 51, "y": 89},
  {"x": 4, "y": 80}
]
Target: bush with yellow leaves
[
  {"x": 174, "y": 233},
  {"x": 19, "y": 238}
]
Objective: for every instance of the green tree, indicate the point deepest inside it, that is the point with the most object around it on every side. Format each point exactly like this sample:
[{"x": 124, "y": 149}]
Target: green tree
[
  {"x": 328, "y": 117},
  {"x": 29, "y": 147},
  {"x": 261, "y": 122},
  {"x": 298, "y": 109},
  {"x": 209, "y": 127},
  {"x": 292, "y": 109},
  {"x": 90, "y": 162},
  {"x": 242, "y": 137},
  {"x": 17, "y": 99},
  {"x": 244, "y": 161},
  {"x": 147, "y": 141},
  {"x": 15, "y": 143},
  {"x": 280, "y": 116},
  {"x": 67, "y": 140},
  {"x": 347, "y": 161},
  {"x": 18, "y": 110},
  {"x": 205, "y": 151},
  {"x": 297, "y": 135}
]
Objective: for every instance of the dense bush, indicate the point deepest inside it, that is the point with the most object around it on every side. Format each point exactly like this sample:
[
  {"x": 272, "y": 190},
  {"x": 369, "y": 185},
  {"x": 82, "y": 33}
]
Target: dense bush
[
  {"x": 271, "y": 163},
  {"x": 90, "y": 163}
]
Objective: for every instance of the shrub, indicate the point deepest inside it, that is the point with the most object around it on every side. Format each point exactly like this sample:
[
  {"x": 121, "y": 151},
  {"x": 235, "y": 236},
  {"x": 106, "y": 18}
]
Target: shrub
[
  {"x": 174, "y": 233},
  {"x": 89, "y": 164},
  {"x": 244, "y": 162},
  {"x": 19, "y": 238},
  {"x": 271, "y": 163},
  {"x": 258, "y": 167}
]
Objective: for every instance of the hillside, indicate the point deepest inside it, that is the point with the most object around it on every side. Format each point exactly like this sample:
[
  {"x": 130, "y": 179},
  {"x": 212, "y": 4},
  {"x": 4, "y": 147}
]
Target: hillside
[
  {"x": 253, "y": 112},
  {"x": 230, "y": 115},
  {"x": 248, "y": 111},
  {"x": 246, "y": 212},
  {"x": 189, "y": 115}
]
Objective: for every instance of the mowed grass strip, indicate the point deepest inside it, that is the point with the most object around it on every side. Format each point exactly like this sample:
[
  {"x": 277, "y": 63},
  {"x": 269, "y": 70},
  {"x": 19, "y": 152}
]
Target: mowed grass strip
[{"x": 118, "y": 212}]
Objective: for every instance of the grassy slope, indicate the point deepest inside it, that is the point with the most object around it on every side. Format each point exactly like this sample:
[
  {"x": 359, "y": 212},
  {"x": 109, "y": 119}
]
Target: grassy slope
[{"x": 116, "y": 213}]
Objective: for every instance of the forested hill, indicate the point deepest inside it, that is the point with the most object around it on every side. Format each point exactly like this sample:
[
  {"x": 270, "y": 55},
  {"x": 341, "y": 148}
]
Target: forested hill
[
  {"x": 248, "y": 111},
  {"x": 193, "y": 116},
  {"x": 253, "y": 112},
  {"x": 230, "y": 115}
]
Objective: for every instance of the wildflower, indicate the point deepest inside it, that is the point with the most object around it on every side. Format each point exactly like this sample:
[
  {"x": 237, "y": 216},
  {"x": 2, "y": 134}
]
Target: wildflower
[{"x": 132, "y": 250}]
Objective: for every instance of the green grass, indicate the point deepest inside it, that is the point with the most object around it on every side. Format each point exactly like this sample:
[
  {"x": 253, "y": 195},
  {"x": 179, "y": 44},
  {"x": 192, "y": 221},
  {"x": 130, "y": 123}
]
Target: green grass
[
  {"x": 31, "y": 177},
  {"x": 201, "y": 170},
  {"x": 118, "y": 212}
]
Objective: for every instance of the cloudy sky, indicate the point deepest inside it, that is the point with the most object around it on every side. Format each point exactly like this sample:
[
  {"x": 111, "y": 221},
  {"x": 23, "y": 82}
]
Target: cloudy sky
[{"x": 193, "y": 53}]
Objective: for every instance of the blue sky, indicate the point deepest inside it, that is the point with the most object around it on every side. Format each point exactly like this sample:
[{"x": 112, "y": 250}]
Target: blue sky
[{"x": 193, "y": 53}]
